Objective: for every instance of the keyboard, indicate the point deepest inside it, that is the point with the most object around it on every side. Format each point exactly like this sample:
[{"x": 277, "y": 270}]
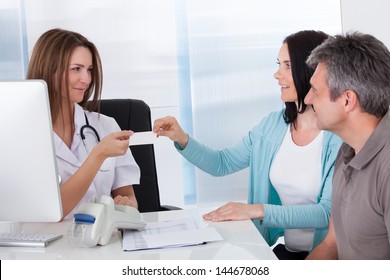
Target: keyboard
[{"x": 27, "y": 239}]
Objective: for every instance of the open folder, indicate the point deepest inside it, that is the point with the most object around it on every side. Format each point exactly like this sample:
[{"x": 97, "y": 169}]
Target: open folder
[{"x": 167, "y": 234}]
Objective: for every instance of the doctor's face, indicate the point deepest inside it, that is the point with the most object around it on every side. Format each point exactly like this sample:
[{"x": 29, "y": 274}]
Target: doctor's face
[{"x": 79, "y": 74}]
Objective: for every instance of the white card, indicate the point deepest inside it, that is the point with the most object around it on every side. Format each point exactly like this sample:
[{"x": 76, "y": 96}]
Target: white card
[{"x": 143, "y": 138}]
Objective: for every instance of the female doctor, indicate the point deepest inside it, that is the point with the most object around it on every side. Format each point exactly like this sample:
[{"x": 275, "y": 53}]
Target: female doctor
[{"x": 92, "y": 152}]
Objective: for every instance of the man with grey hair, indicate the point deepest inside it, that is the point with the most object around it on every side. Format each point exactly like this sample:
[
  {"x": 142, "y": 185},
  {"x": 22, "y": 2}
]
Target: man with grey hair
[{"x": 350, "y": 93}]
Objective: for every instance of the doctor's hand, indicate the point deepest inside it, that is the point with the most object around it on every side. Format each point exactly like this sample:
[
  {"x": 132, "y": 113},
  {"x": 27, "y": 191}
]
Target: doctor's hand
[
  {"x": 234, "y": 211},
  {"x": 125, "y": 196},
  {"x": 125, "y": 200},
  {"x": 114, "y": 144},
  {"x": 169, "y": 127}
]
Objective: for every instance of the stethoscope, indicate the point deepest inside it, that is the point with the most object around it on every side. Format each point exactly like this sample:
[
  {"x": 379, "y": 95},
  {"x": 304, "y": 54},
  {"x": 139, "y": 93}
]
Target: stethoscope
[
  {"x": 88, "y": 126},
  {"x": 82, "y": 135}
]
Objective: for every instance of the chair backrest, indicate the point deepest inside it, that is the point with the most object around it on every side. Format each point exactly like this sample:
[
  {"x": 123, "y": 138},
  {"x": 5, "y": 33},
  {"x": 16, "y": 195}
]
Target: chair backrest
[{"x": 133, "y": 114}]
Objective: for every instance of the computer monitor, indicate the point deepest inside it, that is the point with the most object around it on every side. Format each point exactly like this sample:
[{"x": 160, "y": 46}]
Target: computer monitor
[{"x": 29, "y": 184}]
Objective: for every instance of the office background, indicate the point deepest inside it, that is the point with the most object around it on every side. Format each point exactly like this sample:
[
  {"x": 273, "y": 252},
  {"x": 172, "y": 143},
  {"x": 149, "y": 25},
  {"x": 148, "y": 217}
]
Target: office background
[{"x": 210, "y": 63}]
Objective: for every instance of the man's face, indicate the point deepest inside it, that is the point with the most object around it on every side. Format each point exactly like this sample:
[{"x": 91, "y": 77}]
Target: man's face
[{"x": 329, "y": 113}]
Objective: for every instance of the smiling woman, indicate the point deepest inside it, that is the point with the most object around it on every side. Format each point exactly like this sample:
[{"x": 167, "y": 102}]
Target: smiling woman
[
  {"x": 70, "y": 65},
  {"x": 284, "y": 76},
  {"x": 79, "y": 74},
  {"x": 295, "y": 205}
]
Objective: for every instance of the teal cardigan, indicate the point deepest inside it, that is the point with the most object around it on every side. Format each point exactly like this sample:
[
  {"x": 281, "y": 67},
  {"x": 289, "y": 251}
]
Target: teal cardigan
[{"x": 257, "y": 151}]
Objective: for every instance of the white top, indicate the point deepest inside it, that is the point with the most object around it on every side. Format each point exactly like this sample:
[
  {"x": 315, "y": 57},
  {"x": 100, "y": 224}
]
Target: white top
[
  {"x": 114, "y": 173},
  {"x": 296, "y": 175}
]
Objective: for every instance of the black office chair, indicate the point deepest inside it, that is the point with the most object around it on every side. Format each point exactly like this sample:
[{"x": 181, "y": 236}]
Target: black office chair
[{"x": 133, "y": 114}]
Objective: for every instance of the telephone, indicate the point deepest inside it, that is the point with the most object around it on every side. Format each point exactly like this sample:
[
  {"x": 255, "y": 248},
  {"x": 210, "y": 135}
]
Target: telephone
[{"x": 94, "y": 222}]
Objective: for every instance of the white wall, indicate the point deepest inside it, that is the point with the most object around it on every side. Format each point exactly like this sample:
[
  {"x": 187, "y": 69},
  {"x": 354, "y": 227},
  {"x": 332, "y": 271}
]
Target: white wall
[{"x": 367, "y": 17}]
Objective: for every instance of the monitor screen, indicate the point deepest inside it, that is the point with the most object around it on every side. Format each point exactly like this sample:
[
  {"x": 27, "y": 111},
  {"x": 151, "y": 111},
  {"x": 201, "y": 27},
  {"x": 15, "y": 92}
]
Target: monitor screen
[{"x": 29, "y": 187}]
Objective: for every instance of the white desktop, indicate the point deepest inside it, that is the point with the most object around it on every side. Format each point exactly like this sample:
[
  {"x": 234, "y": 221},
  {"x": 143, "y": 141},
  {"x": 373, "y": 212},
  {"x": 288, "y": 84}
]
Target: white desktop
[{"x": 241, "y": 241}]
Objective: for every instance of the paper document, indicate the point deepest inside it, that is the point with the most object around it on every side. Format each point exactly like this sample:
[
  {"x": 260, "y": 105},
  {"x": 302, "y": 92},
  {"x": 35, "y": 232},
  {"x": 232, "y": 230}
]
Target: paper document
[
  {"x": 166, "y": 234},
  {"x": 143, "y": 138}
]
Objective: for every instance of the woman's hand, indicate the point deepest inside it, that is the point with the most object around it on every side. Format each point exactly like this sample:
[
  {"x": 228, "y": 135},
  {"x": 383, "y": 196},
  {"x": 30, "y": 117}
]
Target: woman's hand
[
  {"x": 235, "y": 211},
  {"x": 125, "y": 196},
  {"x": 125, "y": 200},
  {"x": 169, "y": 127},
  {"x": 114, "y": 144}
]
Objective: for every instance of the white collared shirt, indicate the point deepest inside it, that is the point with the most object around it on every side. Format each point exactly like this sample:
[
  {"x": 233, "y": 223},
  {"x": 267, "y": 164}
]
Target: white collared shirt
[{"x": 114, "y": 173}]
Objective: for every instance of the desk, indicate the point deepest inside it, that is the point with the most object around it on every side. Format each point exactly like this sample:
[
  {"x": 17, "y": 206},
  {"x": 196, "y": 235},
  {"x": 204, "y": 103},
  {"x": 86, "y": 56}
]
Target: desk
[{"x": 241, "y": 241}]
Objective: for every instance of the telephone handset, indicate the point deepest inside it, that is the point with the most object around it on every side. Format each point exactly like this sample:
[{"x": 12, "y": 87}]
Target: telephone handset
[{"x": 94, "y": 222}]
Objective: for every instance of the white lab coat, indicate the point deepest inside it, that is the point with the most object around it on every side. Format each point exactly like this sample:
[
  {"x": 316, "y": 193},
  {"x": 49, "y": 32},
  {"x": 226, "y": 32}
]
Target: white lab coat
[{"x": 114, "y": 173}]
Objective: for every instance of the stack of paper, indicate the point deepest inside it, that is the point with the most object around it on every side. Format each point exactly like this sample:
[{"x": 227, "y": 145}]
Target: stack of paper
[{"x": 168, "y": 234}]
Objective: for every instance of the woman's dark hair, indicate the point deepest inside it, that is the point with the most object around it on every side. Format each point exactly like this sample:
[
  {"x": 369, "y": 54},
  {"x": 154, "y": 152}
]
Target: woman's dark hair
[{"x": 300, "y": 45}]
